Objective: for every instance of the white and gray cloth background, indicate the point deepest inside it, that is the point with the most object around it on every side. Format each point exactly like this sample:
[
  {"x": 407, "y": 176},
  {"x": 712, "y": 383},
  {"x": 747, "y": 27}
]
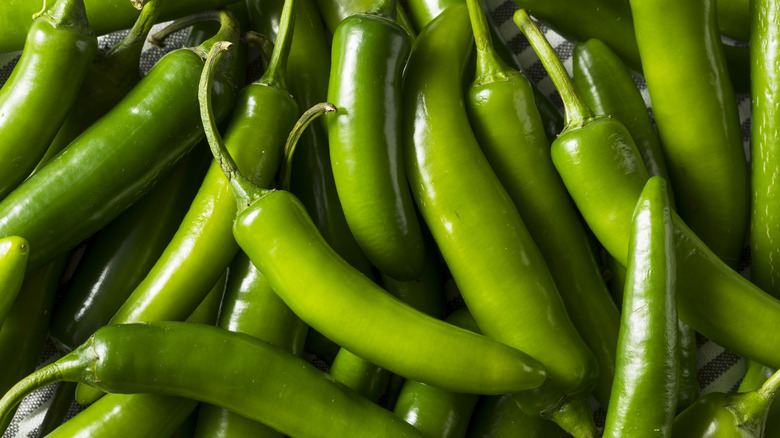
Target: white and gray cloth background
[{"x": 718, "y": 368}]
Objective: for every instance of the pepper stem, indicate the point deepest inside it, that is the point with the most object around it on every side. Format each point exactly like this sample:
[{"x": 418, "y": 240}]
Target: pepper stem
[
  {"x": 244, "y": 190},
  {"x": 292, "y": 140},
  {"x": 158, "y": 38},
  {"x": 134, "y": 41},
  {"x": 68, "y": 368},
  {"x": 490, "y": 67},
  {"x": 771, "y": 387},
  {"x": 276, "y": 73},
  {"x": 577, "y": 111}
]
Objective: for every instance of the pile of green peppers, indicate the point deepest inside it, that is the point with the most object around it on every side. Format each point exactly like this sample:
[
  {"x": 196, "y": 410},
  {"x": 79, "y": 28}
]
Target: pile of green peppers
[{"x": 359, "y": 218}]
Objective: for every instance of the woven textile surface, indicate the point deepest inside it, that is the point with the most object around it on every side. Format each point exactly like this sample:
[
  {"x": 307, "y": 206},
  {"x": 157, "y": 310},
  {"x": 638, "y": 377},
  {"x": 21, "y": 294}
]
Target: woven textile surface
[{"x": 718, "y": 369}]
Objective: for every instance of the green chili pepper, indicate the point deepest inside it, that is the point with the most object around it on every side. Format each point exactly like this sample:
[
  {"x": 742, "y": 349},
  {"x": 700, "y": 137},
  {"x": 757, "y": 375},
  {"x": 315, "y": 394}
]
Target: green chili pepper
[
  {"x": 59, "y": 49},
  {"x": 349, "y": 308},
  {"x": 510, "y": 132},
  {"x": 335, "y": 11},
  {"x": 116, "y": 161},
  {"x": 424, "y": 11},
  {"x": 203, "y": 246},
  {"x": 14, "y": 251},
  {"x": 250, "y": 307},
  {"x": 365, "y": 143},
  {"x": 265, "y": 383},
  {"x": 603, "y": 172},
  {"x": 436, "y": 412},
  {"x": 112, "y": 74},
  {"x": 608, "y": 88},
  {"x": 702, "y": 144},
  {"x": 492, "y": 257},
  {"x": 765, "y": 163},
  {"x": 118, "y": 257},
  {"x": 140, "y": 415},
  {"x": 104, "y": 16},
  {"x": 307, "y": 76},
  {"x": 719, "y": 415},
  {"x": 644, "y": 392}
]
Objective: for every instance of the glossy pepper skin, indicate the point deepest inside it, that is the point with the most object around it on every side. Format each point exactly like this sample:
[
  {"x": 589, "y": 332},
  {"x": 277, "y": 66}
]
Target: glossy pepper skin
[
  {"x": 436, "y": 412},
  {"x": 498, "y": 268},
  {"x": 58, "y": 51},
  {"x": 250, "y": 306},
  {"x": 702, "y": 144},
  {"x": 266, "y": 383},
  {"x": 104, "y": 16},
  {"x": 335, "y": 11},
  {"x": 112, "y": 74},
  {"x": 307, "y": 76},
  {"x": 644, "y": 392},
  {"x": 765, "y": 168},
  {"x": 346, "y": 306},
  {"x": 509, "y": 130},
  {"x": 368, "y": 56},
  {"x": 119, "y": 256},
  {"x": 203, "y": 246},
  {"x": 608, "y": 88},
  {"x": 604, "y": 174},
  {"x": 115, "y": 162}
]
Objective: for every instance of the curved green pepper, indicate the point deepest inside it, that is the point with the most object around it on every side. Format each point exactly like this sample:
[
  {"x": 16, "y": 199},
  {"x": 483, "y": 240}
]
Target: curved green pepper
[
  {"x": 498, "y": 268},
  {"x": 346, "y": 306},
  {"x": 112, "y": 74},
  {"x": 604, "y": 174},
  {"x": 307, "y": 76},
  {"x": 365, "y": 143},
  {"x": 436, "y": 412},
  {"x": 58, "y": 51},
  {"x": 250, "y": 307},
  {"x": 510, "y": 131},
  {"x": 118, "y": 257},
  {"x": 702, "y": 143},
  {"x": 265, "y": 383},
  {"x": 644, "y": 392},
  {"x": 116, "y": 161},
  {"x": 608, "y": 88}
]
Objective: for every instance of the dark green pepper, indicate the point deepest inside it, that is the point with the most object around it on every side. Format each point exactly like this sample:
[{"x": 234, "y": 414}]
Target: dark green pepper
[
  {"x": 59, "y": 49},
  {"x": 365, "y": 139},
  {"x": 117, "y": 160}
]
